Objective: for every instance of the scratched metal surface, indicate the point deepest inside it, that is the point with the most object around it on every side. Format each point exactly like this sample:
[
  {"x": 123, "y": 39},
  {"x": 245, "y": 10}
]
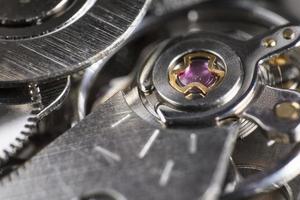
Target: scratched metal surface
[
  {"x": 114, "y": 152},
  {"x": 64, "y": 49}
]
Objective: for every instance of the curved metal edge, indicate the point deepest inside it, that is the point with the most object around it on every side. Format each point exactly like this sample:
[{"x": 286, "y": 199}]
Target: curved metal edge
[
  {"x": 116, "y": 45},
  {"x": 274, "y": 178},
  {"x": 85, "y": 87},
  {"x": 110, "y": 50},
  {"x": 256, "y": 53},
  {"x": 37, "y": 113},
  {"x": 263, "y": 112},
  {"x": 57, "y": 102}
]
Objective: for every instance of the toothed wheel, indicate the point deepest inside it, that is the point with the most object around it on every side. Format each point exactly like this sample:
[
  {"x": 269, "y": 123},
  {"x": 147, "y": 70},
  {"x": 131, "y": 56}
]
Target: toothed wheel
[{"x": 19, "y": 120}]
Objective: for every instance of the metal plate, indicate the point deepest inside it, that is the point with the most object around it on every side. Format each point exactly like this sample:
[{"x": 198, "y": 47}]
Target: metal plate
[
  {"x": 61, "y": 38},
  {"x": 120, "y": 155}
]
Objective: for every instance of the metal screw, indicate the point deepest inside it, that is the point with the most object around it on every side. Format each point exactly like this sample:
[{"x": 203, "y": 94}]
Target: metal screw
[
  {"x": 288, "y": 110},
  {"x": 288, "y": 34},
  {"x": 269, "y": 42}
]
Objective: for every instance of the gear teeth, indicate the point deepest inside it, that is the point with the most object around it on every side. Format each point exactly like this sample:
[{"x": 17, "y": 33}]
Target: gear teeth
[
  {"x": 35, "y": 112},
  {"x": 32, "y": 119},
  {"x": 13, "y": 146},
  {"x": 30, "y": 127},
  {"x": 25, "y": 134},
  {"x": 20, "y": 140},
  {"x": 36, "y": 98},
  {"x": 6, "y": 153}
]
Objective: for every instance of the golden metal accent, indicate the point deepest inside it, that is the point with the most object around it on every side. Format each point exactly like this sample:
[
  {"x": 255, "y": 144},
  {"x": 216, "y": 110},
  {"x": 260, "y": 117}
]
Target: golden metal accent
[
  {"x": 280, "y": 60},
  {"x": 269, "y": 42},
  {"x": 187, "y": 61},
  {"x": 288, "y": 110},
  {"x": 288, "y": 34}
]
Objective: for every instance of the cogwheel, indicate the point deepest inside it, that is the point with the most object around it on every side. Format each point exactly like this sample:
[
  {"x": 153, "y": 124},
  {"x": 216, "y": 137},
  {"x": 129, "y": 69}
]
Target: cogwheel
[{"x": 19, "y": 121}]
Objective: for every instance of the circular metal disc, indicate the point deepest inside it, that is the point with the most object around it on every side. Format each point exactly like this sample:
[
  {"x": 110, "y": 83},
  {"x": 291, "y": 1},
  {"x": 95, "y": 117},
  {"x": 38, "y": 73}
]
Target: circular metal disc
[
  {"x": 43, "y": 39},
  {"x": 16, "y": 11}
]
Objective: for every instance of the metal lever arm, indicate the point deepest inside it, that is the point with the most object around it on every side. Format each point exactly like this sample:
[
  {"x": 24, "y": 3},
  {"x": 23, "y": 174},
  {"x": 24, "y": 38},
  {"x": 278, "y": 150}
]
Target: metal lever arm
[{"x": 114, "y": 153}]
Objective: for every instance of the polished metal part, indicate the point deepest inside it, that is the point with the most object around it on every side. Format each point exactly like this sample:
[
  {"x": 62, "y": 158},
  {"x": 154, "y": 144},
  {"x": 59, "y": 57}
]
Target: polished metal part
[
  {"x": 55, "y": 99},
  {"x": 267, "y": 95},
  {"x": 253, "y": 100},
  {"x": 204, "y": 12},
  {"x": 266, "y": 116},
  {"x": 148, "y": 143},
  {"x": 250, "y": 53},
  {"x": 242, "y": 102},
  {"x": 122, "y": 153},
  {"x": 59, "y": 44},
  {"x": 89, "y": 76},
  {"x": 263, "y": 112},
  {"x": 195, "y": 43}
]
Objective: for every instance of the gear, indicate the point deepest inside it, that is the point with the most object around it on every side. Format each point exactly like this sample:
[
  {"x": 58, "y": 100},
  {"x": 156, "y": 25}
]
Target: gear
[
  {"x": 165, "y": 113},
  {"x": 131, "y": 55},
  {"x": 20, "y": 121},
  {"x": 50, "y": 43}
]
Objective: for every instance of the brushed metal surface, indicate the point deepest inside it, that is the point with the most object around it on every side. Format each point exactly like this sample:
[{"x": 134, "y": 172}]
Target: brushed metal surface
[
  {"x": 113, "y": 151},
  {"x": 96, "y": 29},
  {"x": 18, "y": 13}
]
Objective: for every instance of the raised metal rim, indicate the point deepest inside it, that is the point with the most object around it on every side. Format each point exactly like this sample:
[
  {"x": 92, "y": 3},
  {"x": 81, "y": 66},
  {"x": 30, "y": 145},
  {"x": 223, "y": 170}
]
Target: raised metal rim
[{"x": 72, "y": 47}]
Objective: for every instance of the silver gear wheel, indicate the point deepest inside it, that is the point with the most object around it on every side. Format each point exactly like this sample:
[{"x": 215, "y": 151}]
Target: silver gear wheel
[{"x": 19, "y": 121}]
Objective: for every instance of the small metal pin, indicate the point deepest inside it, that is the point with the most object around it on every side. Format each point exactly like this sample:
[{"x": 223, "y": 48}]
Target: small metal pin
[
  {"x": 288, "y": 34},
  {"x": 269, "y": 43},
  {"x": 288, "y": 110}
]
